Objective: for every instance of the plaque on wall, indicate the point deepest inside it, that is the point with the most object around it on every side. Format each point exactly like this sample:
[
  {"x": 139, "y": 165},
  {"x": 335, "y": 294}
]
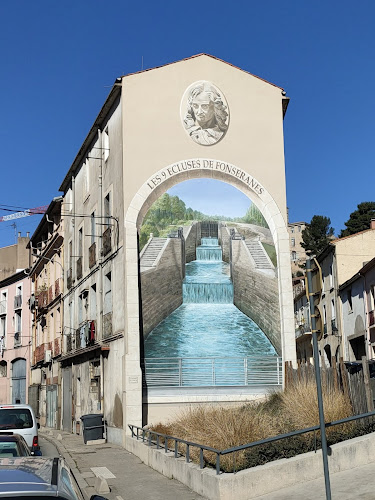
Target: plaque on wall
[{"x": 204, "y": 113}]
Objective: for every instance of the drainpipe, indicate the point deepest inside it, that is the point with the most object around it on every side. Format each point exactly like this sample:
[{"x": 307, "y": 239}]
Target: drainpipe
[{"x": 100, "y": 284}]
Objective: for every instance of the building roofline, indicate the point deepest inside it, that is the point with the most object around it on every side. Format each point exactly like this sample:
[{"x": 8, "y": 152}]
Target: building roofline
[
  {"x": 115, "y": 92},
  {"x": 337, "y": 240},
  {"x": 207, "y": 55},
  {"x": 367, "y": 267},
  {"x": 55, "y": 201},
  {"x": 18, "y": 276},
  {"x": 108, "y": 103}
]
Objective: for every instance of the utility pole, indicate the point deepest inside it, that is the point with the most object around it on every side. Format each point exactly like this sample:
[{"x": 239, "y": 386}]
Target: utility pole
[{"x": 314, "y": 333}]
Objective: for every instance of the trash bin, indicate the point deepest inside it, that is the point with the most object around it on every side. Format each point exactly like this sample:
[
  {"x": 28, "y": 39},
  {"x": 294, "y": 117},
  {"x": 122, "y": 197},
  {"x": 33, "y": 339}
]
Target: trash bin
[{"x": 93, "y": 427}]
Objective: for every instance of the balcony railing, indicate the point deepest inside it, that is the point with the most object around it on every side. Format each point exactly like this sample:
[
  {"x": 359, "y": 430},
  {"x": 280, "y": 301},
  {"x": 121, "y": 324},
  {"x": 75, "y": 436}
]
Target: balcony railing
[
  {"x": 51, "y": 295},
  {"x": 199, "y": 372},
  {"x": 84, "y": 336},
  {"x": 107, "y": 325},
  {"x": 79, "y": 268},
  {"x": 57, "y": 287},
  {"x": 43, "y": 299},
  {"x": 371, "y": 318},
  {"x": 92, "y": 255},
  {"x": 107, "y": 241},
  {"x": 17, "y": 301},
  {"x": 17, "y": 339},
  {"x": 3, "y": 306},
  {"x": 69, "y": 278},
  {"x": 333, "y": 325}
]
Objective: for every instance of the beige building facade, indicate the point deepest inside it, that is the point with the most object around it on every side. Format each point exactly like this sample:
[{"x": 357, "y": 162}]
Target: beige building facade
[
  {"x": 297, "y": 253},
  {"x": 143, "y": 143}
]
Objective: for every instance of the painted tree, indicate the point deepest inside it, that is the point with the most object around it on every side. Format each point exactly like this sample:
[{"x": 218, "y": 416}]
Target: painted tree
[
  {"x": 317, "y": 234},
  {"x": 360, "y": 219},
  {"x": 254, "y": 216}
]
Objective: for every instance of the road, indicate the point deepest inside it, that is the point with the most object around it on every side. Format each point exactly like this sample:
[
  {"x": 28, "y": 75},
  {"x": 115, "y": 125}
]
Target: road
[{"x": 47, "y": 448}]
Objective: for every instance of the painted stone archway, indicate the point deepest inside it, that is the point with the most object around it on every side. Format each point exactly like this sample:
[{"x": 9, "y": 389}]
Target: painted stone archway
[{"x": 151, "y": 190}]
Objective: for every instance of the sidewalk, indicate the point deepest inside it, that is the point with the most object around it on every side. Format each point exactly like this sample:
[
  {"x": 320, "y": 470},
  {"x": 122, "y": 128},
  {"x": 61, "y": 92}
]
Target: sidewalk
[{"x": 132, "y": 479}]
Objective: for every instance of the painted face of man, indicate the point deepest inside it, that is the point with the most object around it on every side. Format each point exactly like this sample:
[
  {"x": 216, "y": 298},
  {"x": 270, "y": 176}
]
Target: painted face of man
[{"x": 203, "y": 109}]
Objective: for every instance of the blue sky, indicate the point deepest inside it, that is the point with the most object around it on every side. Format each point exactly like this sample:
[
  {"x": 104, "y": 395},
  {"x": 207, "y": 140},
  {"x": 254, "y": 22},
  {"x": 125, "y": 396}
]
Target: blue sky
[{"x": 59, "y": 60}]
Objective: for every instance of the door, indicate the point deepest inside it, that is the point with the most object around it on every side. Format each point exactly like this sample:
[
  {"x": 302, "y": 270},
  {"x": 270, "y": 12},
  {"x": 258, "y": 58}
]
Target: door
[
  {"x": 19, "y": 381},
  {"x": 51, "y": 406},
  {"x": 67, "y": 398}
]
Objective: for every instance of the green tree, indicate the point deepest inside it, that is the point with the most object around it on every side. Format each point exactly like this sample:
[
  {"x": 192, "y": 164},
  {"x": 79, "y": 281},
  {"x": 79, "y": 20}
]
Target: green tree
[
  {"x": 144, "y": 233},
  {"x": 360, "y": 219},
  {"x": 317, "y": 234}
]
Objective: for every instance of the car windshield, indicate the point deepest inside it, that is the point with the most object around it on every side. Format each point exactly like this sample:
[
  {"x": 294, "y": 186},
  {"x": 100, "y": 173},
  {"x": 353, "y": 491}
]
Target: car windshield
[
  {"x": 15, "y": 418},
  {"x": 11, "y": 449}
]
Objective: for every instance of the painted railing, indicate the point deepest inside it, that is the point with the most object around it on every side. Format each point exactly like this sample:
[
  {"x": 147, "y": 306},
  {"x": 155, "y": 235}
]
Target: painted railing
[{"x": 199, "y": 372}]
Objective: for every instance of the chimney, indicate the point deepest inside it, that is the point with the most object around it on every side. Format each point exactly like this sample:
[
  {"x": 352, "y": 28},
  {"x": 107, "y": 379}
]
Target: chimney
[
  {"x": 19, "y": 234},
  {"x": 28, "y": 234},
  {"x": 372, "y": 224}
]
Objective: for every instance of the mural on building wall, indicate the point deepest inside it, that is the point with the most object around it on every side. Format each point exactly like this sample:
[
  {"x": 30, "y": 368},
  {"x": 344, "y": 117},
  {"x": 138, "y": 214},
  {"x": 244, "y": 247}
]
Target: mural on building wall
[
  {"x": 209, "y": 284},
  {"x": 204, "y": 113}
]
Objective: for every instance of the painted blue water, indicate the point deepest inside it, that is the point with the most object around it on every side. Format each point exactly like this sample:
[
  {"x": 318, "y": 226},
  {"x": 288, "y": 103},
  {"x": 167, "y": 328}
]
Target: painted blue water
[{"x": 207, "y": 324}]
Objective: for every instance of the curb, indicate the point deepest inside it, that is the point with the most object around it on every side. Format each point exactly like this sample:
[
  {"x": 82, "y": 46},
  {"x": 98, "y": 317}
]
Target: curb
[{"x": 68, "y": 459}]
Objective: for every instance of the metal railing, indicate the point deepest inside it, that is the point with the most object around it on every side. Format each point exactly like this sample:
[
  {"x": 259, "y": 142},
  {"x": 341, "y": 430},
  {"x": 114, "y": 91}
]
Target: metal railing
[
  {"x": 154, "y": 438},
  {"x": 196, "y": 372}
]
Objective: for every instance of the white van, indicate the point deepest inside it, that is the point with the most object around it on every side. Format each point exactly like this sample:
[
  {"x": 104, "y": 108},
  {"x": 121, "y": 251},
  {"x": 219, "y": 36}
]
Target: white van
[{"x": 20, "y": 419}]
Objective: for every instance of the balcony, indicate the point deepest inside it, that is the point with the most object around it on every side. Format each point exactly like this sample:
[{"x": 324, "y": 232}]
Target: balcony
[
  {"x": 56, "y": 347},
  {"x": 57, "y": 287},
  {"x": 17, "y": 301},
  {"x": 85, "y": 334},
  {"x": 17, "y": 339},
  {"x": 69, "y": 278},
  {"x": 51, "y": 295},
  {"x": 92, "y": 255},
  {"x": 43, "y": 299},
  {"x": 107, "y": 325},
  {"x": 79, "y": 268},
  {"x": 3, "y": 306},
  {"x": 107, "y": 241},
  {"x": 371, "y": 318}
]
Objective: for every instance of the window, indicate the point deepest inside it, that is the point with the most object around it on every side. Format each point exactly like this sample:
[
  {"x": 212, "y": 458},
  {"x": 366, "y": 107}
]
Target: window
[
  {"x": 107, "y": 293},
  {"x": 17, "y": 321},
  {"x": 349, "y": 299},
  {"x": 107, "y": 209},
  {"x": 372, "y": 297},
  {"x": 294, "y": 256},
  {"x": 93, "y": 228},
  {"x": 330, "y": 276},
  {"x": 80, "y": 309},
  {"x": 80, "y": 242},
  {"x": 333, "y": 310},
  {"x": 86, "y": 180},
  {"x": 299, "y": 229},
  {"x": 3, "y": 368},
  {"x": 2, "y": 326},
  {"x": 292, "y": 229},
  {"x": 293, "y": 242},
  {"x": 105, "y": 144},
  {"x": 93, "y": 302}
]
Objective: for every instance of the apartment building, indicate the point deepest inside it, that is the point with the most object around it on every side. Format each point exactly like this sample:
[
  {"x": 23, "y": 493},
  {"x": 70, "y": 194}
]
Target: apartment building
[
  {"x": 15, "y": 338},
  {"x": 46, "y": 246},
  {"x": 297, "y": 253}
]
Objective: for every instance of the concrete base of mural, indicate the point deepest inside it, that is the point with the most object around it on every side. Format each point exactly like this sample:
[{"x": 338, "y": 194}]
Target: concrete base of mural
[
  {"x": 251, "y": 483},
  {"x": 168, "y": 406}
]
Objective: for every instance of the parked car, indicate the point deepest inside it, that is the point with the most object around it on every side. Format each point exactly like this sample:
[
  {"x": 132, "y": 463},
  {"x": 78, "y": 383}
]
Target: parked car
[
  {"x": 20, "y": 419},
  {"x": 39, "y": 477},
  {"x": 13, "y": 445}
]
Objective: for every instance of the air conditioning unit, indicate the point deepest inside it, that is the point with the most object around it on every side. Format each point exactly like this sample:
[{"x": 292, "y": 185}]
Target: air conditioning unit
[{"x": 47, "y": 355}]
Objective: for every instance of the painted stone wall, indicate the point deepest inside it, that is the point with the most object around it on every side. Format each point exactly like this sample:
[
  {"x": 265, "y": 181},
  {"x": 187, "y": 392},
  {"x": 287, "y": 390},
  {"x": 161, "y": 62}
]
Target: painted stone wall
[
  {"x": 190, "y": 234},
  {"x": 224, "y": 239},
  {"x": 256, "y": 293},
  {"x": 162, "y": 287}
]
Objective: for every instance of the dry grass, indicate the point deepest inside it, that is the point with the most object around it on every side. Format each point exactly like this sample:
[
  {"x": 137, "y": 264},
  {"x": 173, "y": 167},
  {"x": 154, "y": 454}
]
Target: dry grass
[{"x": 225, "y": 427}]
